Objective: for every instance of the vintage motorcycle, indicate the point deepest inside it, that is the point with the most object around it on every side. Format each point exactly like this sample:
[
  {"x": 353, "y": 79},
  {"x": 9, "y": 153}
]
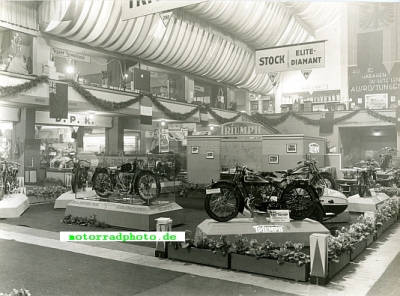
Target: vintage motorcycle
[
  {"x": 225, "y": 199},
  {"x": 386, "y": 156},
  {"x": 80, "y": 171},
  {"x": 166, "y": 169},
  {"x": 308, "y": 169},
  {"x": 9, "y": 171},
  {"x": 366, "y": 176},
  {"x": 128, "y": 178}
]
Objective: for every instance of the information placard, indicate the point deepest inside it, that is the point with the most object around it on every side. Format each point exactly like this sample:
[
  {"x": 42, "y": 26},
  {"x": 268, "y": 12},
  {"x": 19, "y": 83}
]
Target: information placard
[{"x": 279, "y": 215}]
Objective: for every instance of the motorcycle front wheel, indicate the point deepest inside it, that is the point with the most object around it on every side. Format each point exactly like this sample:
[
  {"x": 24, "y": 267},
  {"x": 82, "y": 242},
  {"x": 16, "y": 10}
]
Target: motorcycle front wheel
[
  {"x": 223, "y": 206},
  {"x": 362, "y": 187},
  {"x": 326, "y": 180},
  {"x": 148, "y": 187},
  {"x": 75, "y": 181},
  {"x": 102, "y": 184},
  {"x": 300, "y": 200}
]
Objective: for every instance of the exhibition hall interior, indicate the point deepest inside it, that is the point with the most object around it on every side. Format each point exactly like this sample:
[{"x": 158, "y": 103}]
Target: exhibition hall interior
[{"x": 199, "y": 147}]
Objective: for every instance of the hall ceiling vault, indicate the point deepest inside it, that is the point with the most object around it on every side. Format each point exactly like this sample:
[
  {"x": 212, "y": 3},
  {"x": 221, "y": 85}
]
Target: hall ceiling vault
[{"x": 213, "y": 39}]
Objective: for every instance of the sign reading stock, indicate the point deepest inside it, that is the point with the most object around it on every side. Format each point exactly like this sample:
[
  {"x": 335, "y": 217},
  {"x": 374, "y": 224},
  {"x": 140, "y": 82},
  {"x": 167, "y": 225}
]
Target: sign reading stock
[{"x": 291, "y": 57}]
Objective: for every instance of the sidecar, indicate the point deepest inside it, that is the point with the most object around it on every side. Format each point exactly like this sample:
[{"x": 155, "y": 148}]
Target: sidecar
[{"x": 333, "y": 201}]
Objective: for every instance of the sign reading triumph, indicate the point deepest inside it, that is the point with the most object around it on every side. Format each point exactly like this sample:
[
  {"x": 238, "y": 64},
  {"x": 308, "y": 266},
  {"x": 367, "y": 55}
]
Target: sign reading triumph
[{"x": 291, "y": 57}]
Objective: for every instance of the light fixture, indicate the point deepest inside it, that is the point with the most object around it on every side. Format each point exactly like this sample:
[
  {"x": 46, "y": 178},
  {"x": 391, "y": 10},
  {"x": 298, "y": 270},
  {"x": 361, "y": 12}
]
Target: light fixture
[
  {"x": 211, "y": 127},
  {"x": 162, "y": 122},
  {"x": 91, "y": 115},
  {"x": 377, "y": 133},
  {"x": 70, "y": 69}
]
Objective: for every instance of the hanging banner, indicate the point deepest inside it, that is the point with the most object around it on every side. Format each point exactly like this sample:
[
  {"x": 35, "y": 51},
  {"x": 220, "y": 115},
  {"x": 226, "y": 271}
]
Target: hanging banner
[
  {"x": 291, "y": 57},
  {"x": 164, "y": 141},
  {"x": 306, "y": 73},
  {"x": 272, "y": 76},
  {"x": 70, "y": 55},
  {"x": 134, "y": 9},
  {"x": 146, "y": 111},
  {"x": 58, "y": 93}
]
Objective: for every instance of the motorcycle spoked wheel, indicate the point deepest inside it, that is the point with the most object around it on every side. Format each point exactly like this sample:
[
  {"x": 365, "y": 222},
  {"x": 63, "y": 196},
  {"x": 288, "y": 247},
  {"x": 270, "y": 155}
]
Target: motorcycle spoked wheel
[
  {"x": 76, "y": 181},
  {"x": 102, "y": 184},
  {"x": 223, "y": 206},
  {"x": 327, "y": 181},
  {"x": 148, "y": 187},
  {"x": 300, "y": 200}
]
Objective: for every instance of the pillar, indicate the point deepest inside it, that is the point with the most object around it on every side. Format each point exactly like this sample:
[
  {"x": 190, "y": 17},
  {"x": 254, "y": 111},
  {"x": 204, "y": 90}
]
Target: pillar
[
  {"x": 25, "y": 133},
  {"x": 115, "y": 137}
]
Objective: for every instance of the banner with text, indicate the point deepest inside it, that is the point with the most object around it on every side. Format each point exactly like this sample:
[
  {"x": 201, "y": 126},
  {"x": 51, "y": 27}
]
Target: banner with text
[
  {"x": 291, "y": 57},
  {"x": 134, "y": 9}
]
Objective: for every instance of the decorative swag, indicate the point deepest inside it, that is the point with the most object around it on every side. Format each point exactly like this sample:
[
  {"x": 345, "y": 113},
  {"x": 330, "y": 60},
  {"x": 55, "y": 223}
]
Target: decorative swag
[{"x": 8, "y": 91}]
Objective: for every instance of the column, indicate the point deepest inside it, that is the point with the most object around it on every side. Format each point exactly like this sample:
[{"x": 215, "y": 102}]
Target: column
[{"x": 115, "y": 137}]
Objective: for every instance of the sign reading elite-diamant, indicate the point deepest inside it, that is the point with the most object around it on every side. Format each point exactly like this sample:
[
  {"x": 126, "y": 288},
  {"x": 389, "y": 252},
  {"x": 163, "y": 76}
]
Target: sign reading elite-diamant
[{"x": 291, "y": 57}]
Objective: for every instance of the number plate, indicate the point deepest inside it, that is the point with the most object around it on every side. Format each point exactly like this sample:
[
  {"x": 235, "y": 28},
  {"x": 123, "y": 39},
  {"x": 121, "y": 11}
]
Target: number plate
[{"x": 213, "y": 191}]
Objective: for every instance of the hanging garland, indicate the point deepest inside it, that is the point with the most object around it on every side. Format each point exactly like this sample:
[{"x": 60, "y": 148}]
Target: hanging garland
[
  {"x": 172, "y": 114},
  {"x": 7, "y": 91},
  {"x": 220, "y": 119},
  {"x": 306, "y": 120},
  {"x": 105, "y": 105},
  {"x": 380, "y": 116},
  {"x": 100, "y": 103}
]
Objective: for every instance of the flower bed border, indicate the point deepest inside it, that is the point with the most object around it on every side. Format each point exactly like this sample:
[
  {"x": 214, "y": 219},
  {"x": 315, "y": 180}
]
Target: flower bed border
[
  {"x": 270, "y": 267},
  {"x": 200, "y": 256}
]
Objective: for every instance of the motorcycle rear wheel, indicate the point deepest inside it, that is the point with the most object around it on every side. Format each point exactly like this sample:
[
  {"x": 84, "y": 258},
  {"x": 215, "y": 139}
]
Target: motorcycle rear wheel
[
  {"x": 300, "y": 200},
  {"x": 223, "y": 206},
  {"x": 102, "y": 184},
  {"x": 148, "y": 187}
]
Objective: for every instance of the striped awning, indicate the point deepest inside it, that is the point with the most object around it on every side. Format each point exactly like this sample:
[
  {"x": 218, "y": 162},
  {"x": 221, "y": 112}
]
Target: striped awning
[{"x": 213, "y": 39}]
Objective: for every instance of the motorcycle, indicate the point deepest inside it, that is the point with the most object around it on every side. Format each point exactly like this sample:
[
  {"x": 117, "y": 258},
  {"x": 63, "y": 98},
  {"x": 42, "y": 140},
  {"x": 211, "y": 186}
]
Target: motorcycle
[
  {"x": 165, "y": 169},
  {"x": 393, "y": 180},
  {"x": 386, "y": 157},
  {"x": 9, "y": 171},
  {"x": 80, "y": 171},
  {"x": 128, "y": 178},
  {"x": 366, "y": 176},
  {"x": 225, "y": 199},
  {"x": 308, "y": 169}
]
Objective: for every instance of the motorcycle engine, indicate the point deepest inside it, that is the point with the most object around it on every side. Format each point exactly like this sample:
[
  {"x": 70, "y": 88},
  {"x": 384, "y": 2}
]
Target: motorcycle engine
[{"x": 265, "y": 196}]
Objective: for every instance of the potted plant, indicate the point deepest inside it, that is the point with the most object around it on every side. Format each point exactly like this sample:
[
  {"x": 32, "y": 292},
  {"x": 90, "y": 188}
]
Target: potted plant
[
  {"x": 205, "y": 251},
  {"x": 339, "y": 247},
  {"x": 283, "y": 260},
  {"x": 191, "y": 195},
  {"x": 368, "y": 227}
]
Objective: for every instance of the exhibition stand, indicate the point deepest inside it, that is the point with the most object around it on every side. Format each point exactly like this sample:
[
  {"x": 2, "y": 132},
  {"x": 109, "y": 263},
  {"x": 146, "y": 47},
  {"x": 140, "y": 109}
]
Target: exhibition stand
[
  {"x": 261, "y": 228},
  {"x": 133, "y": 216},
  {"x": 13, "y": 205},
  {"x": 367, "y": 203},
  {"x": 64, "y": 199}
]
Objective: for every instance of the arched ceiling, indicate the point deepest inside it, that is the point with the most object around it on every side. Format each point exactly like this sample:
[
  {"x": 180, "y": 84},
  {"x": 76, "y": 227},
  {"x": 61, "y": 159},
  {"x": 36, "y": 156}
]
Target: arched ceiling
[{"x": 212, "y": 39}]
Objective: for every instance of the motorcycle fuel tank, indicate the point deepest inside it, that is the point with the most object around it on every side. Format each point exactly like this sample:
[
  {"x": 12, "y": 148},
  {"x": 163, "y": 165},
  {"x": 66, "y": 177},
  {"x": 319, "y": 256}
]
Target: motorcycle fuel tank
[
  {"x": 255, "y": 179},
  {"x": 334, "y": 201}
]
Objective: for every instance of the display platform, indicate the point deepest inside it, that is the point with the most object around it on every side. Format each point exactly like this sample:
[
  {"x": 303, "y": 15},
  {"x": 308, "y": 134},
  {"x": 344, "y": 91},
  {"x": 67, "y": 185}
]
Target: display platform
[
  {"x": 169, "y": 186},
  {"x": 133, "y": 216},
  {"x": 367, "y": 203},
  {"x": 64, "y": 199},
  {"x": 261, "y": 228},
  {"x": 13, "y": 205}
]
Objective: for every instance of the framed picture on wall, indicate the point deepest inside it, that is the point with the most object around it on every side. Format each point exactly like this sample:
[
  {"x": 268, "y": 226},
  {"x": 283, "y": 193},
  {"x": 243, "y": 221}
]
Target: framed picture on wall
[
  {"x": 273, "y": 158},
  {"x": 195, "y": 149},
  {"x": 210, "y": 154},
  {"x": 376, "y": 101},
  {"x": 291, "y": 148}
]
